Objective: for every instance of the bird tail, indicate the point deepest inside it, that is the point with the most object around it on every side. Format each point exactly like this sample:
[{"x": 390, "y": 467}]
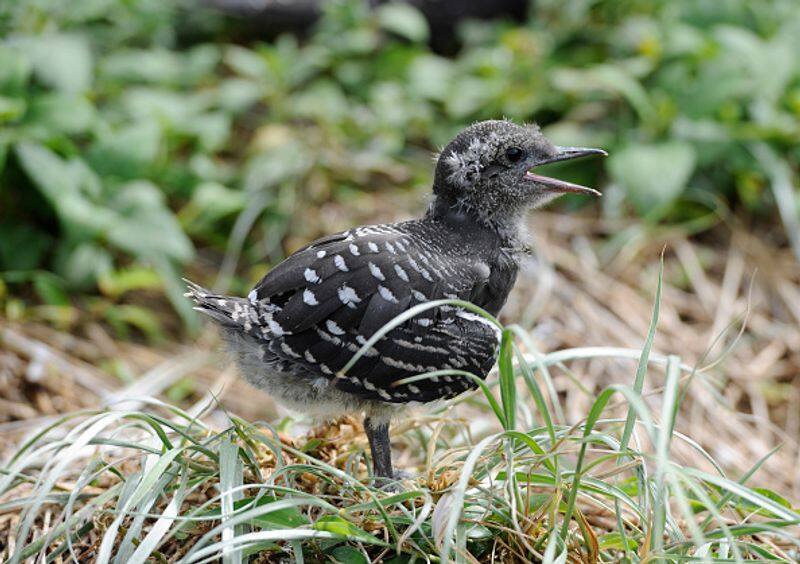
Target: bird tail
[{"x": 225, "y": 310}]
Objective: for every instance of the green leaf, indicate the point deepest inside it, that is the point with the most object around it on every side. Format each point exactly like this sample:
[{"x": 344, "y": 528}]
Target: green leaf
[
  {"x": 176, "y": 109},
  {"x": 430, "y": 76},
  {"x": 115, "y": 283},
  {"x": 769, "y": 494},
  {"x": 348, "y": 555},
  {"x": 157, "y": 66},
  {"x": 339, "y": 526},
  {"x": 237, "y": 94},
  {"x": 145, "y": 320},
  {"x": 286, "y": 518},
  {"x": 653, "y": 176},
  {"x": 210, "y": 202},
  {"x": 614, "y": 541},
  {"x": 404, "y": 20},
  {"x": 145, "y": 225},
  {"x": 61, "y": 112},
  {"x": 129, "y": 151},
  {"x": 82, "y": 265},
  {"x": 22, "y": 246},
  {"x": 211, "y": 130},
  {"x": 50, "y": 289},
  {"x": 61, "y": 61},
  {"x": 15, "y": 70},
  {"x": 11, "y": 109},
  {"x": 70, "y": 187}
]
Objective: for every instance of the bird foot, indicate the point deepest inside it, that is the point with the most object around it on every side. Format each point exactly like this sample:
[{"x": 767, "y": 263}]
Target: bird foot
[{"x": 393, "y": 484}]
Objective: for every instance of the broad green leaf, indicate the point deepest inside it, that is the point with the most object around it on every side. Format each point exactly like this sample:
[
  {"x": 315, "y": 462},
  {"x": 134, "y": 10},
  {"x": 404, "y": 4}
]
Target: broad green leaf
[
  {"x": 128, "y": 152},
  {"x": 246, "y": 62},
  {"x": 11, "y": 109},
  {"x": 430, "y": 76},
  {"x": 347, "y": 555},
  {"x": 608, "y": 78},
  {"x": 238, "y": 94},
  {"x": 211, "y": 130},
  {"x": 61, "y": 61},
  {"x": 121, "y": 317},
  {"x": 404, "y": 20},
  {"x": 157, "y": 66},
  {"x": 653, "y": 176},
  {"x": 145, "y": 225},
  {"x": 15, "y": 69},
  {"x": 286, "y": 518},
  {"x": 160, "y": 66},
  {"x": 50, "y": 289},
  {"x": 70, "y": 187},
  {"x": 264, "y": 170},
  {"x": 82, "y": 265},
  {"x": 61, "y": 112},
  {"x": 115, "y": 283},
  {"x": 210, "y": 202},
  {"x": 22, "y": 246},
  {"x": 162, "y": 105}
]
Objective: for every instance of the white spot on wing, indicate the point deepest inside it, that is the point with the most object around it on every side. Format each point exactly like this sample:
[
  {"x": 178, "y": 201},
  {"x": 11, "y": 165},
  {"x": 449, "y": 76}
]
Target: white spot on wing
[
  {"x": 321, "y": 254},
  {"x": 376, "y": 272},
  {"x": 333, "y": 327},
  {"x": 387, "y": 294},
  {"x": 401, "y": 273},
  {"x": 373, "y": 247},
  {"x": 311, "y": 275},
  {"x": 309, "y": 297},
  {"x": 276, "y": 328},
  {"x": 348, "y": 296},
  {"x": 354, "y": 249},
  {"x": 252, "y": 296},
  {"x": 289, "y": 350},
  {"x": 338, "y": 260}
]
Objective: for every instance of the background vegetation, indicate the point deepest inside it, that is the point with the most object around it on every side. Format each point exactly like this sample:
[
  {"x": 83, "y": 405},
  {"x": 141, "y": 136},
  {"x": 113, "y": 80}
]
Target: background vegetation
[
  {"x": 145, "y": 140},
  {"x": 125, "y": 148}
]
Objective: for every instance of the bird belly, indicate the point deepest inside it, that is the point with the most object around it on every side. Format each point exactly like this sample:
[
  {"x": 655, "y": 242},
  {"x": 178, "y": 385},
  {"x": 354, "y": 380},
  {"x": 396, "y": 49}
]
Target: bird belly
[{"x": 293, "y": 386}]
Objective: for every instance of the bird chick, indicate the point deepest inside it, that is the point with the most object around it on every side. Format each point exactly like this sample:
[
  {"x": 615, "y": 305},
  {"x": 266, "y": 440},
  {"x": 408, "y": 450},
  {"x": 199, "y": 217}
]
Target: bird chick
[{"x": 306, "y": 319}]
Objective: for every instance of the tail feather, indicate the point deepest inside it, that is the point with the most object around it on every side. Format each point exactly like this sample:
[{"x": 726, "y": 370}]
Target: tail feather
[{"x": 225, "y": 310}]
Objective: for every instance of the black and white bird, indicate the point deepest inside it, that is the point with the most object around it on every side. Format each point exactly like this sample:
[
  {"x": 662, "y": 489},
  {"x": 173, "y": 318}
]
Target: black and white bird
[{"x": 309, "y": 315}]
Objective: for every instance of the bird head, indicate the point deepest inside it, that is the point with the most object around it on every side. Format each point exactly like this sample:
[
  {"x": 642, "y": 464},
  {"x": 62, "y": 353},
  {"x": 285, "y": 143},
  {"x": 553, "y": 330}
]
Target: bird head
[{"x": 486, "y": 169}]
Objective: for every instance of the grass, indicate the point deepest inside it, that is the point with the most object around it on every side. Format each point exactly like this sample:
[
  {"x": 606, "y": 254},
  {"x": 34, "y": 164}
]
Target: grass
[{"x": 159, "y": 484}]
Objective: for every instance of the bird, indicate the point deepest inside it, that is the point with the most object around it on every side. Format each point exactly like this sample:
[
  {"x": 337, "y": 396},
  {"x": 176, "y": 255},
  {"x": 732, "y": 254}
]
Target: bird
[{"x": 301, "y": 325}]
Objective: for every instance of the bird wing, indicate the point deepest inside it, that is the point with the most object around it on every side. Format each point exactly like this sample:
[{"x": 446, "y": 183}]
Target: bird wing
[{"x": 320, "y": 305}]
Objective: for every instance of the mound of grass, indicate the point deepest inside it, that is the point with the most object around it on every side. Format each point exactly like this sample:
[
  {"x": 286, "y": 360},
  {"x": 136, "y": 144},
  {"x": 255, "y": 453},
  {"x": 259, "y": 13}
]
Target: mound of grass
[{"x": 160, "y": 485}]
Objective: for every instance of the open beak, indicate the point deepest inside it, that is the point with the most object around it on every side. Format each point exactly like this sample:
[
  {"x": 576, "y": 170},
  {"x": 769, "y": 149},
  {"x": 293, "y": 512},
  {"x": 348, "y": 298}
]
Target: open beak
[{"x": 562, "y": 186}]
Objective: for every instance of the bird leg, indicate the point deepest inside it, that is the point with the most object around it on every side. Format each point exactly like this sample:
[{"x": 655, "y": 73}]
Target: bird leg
[{"x": 378, "y": 436}]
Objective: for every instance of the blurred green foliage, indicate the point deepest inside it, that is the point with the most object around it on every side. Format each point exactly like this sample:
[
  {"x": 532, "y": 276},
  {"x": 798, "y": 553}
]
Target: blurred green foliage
[{"x": 122, "y": 149}]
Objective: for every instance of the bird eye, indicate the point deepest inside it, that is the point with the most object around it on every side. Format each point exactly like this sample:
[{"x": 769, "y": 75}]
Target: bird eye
[{"x": 514, "y": 154}]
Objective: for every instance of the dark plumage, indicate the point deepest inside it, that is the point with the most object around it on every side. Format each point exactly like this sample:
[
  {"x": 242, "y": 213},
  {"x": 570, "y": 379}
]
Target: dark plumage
[{"x": 307, "y": 317}]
